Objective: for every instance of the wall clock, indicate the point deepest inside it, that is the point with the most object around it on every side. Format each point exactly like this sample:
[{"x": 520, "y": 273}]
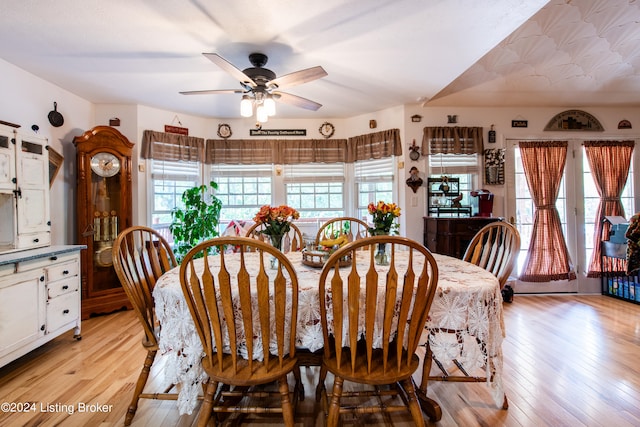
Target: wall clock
[
  {"x": 104, "y": 208},
  {"x": 224, "y": 130},
  {"x": 327, "y": 130},
  {"x": 415, "y": 151}
]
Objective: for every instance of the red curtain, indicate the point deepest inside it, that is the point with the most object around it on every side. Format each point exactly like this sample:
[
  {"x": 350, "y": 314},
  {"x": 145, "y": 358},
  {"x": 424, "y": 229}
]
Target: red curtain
[
  {"x": 547, "y": 257},
  {"x": 609, "y": 162}
]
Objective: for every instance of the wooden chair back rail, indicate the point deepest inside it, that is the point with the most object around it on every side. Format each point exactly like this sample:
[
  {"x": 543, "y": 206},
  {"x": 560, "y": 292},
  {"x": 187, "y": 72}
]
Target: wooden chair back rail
[
  {"x": 215, "y": 294},
  {"x": 292, "y": 241},
  {"x": 395, "y": 304},
  {"x": 334, "y": 226},
  {"x": 495, "y": 248},
  {"x": 140, "y": 256}
]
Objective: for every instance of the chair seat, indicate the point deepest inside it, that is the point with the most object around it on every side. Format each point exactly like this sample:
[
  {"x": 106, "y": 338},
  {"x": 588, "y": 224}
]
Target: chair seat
[
  {"x": 246, "y": 376},
  {"x": 377, "y": 376}
]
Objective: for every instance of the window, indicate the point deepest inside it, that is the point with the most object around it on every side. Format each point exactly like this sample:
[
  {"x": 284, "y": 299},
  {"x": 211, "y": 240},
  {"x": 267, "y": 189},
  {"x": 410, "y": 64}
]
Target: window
[
  {"x": 461, "y": 166},
  {"x": 374, "y": 182},
  {"x": 168, "y": 181},
  {"x": 316, "y": 190},
  {"x": 242, "y": 189}
]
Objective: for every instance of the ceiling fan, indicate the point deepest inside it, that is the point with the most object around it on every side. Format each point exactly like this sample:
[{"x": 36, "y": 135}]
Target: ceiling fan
[{"x": 259, "y": 83}]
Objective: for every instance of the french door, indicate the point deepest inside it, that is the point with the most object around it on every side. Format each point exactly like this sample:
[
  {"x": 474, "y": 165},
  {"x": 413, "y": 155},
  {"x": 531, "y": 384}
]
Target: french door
[{"x": 577, "y": 205}]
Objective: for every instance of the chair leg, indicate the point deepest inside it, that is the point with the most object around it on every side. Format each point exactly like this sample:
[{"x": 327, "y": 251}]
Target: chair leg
[
  {"x": 412, "y": 402},
  {"x": 299, "y": 387},
  {"x": 142, "y": 381},
  {"x": 207, "y": 404},
  {"x": 320, "y": 386},
  {"x": 287, "y": 408},
  {"x": 334, "y": 407}
]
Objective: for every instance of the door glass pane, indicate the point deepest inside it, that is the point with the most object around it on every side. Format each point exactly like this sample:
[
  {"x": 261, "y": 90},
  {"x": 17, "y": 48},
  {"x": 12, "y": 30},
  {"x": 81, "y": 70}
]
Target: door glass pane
[
  {"x": 592, "y": 199},
  {"x": 525, "y": 208}
]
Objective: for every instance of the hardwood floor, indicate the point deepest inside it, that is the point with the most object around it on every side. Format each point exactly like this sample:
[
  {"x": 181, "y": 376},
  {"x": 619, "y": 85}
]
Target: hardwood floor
[{"x": 568, "y": 361}]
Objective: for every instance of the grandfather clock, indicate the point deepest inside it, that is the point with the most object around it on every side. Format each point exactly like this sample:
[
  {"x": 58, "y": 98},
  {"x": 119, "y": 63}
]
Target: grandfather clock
[{"x": 103, "y": 209}]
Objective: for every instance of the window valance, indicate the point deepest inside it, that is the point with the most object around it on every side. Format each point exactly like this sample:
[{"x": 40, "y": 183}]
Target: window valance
[
  {"x": 375, "y": 145},
  {"x": 277, "y": 151},
  {"x": 299, "y": 151},
  {"x": 240, "y": 151},
  {"x": 452, "y": 140},
  {"x": 171, "y": 146}
]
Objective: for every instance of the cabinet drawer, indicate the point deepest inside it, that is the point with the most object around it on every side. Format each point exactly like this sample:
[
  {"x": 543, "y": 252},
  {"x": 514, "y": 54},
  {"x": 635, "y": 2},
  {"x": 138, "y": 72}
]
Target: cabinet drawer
[
  {"x": 62, "y": 271},
  {"x": 62, "y": 310},
  {"x": 61, "y": 287}
]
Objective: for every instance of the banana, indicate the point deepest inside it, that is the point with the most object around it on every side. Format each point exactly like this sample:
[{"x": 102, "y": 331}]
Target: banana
[{"x": 340, "y": 241}]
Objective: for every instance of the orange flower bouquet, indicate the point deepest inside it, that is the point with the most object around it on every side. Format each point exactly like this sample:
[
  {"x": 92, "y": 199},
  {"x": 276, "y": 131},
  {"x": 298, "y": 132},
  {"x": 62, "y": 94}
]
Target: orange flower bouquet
[
  {"x": 277, "y": 221},
  {"x": 384, "y": 215}
]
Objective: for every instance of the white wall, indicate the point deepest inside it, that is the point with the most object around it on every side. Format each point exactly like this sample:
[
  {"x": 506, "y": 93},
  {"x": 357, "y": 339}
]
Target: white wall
[
  {"x": 30, "y": 99},
  {"x": 27, "y": 101}
]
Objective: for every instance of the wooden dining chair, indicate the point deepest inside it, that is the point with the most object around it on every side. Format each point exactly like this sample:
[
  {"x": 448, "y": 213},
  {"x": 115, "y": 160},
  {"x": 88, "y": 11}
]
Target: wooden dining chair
[
  {"x": 140, "y": 256},
  {"x": 372, "y": 321},
  {"x": 495, "y": 248},
  {"x": 352, "y": 228},
  {"x": 292, "y": 241},
  {"x": 245, "y": 315}
]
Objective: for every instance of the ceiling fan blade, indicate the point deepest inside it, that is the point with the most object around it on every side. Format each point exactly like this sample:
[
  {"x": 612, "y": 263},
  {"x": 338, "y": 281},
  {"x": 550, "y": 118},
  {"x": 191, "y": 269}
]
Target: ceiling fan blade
[
  {"x": 297, "y": 77},
  {"x": 296, "y": 100},
  {"x": 230, "y": 68},
  {"x": 211, "y": 92}
]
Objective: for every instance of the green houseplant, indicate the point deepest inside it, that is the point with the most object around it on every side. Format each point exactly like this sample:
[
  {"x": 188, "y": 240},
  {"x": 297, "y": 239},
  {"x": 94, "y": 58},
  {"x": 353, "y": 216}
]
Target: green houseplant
[{"x": 197, "y": 221}]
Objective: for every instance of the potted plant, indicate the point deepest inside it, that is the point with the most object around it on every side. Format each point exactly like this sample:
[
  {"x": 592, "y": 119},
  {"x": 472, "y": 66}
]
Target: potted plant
[{"x": 197, "y": 221}]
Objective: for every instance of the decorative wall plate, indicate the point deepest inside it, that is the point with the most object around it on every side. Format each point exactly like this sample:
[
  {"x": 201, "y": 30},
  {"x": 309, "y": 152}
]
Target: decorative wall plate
[{"x": 574, "y": 120}]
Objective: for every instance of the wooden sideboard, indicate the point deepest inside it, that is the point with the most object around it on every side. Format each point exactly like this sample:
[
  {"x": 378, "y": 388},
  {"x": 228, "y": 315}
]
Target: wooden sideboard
[{"x": 451, "y": 236}]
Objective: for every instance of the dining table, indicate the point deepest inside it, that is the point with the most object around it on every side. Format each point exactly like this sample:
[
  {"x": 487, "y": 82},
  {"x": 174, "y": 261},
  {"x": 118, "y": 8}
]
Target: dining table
[{"x": 465, "y": 322}]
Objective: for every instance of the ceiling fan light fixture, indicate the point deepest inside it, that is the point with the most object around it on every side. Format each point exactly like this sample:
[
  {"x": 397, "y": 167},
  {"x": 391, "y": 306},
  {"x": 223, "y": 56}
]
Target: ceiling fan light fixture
[
  {"x": 246, "y": 106},
  {"x": 261, "y": 114},
  {"x": 270, "y": 105}
]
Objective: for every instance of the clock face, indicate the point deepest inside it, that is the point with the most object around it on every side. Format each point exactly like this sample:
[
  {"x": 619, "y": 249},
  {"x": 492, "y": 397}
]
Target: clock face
[
  {"x": 105, "y": 164},
  {"x": 327, "y": 130},
  {"x": 224, "y": 130}
]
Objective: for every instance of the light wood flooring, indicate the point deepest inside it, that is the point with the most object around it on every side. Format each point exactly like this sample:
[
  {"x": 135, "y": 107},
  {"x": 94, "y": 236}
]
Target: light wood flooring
[{"x": 568, "y": 361}]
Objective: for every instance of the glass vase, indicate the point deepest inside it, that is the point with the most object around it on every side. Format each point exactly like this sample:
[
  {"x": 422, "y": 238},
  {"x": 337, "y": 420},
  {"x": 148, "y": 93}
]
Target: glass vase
[
  {"x": 382, "y": 256},
  {"x": 276, "y": 242}
]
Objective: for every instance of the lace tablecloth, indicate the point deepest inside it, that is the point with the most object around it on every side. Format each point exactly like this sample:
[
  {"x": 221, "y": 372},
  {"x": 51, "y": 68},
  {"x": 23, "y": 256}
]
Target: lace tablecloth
[{"x": 467, "y": 299}]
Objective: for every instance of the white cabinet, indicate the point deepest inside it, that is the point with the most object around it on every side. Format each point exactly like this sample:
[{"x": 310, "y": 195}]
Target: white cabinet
[
  {"x": 39, "y": 298},
  {"x": 24, "y": 191}
]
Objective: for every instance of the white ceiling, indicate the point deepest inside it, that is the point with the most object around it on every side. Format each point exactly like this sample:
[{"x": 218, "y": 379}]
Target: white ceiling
[{"x": 377, "y": 53}]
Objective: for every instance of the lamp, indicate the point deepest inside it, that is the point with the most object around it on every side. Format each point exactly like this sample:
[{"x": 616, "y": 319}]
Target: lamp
[
  {"x": 263, "y": 103},
  {"x": 246, "y": 106}
]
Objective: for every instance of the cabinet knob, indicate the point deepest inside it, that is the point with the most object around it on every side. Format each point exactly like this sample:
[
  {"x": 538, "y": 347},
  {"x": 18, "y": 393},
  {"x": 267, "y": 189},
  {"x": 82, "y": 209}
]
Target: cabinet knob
[
  {"x": 42, "y": 278},
  {"x": 42, "y": 328},
  {"x": 53, "y": 258},
  {"x": 65, "y": 311},
  {"x": 36, "y": 240},
  {"x": 65, "y": 272},
  {"x": 65, "y": 287}
]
